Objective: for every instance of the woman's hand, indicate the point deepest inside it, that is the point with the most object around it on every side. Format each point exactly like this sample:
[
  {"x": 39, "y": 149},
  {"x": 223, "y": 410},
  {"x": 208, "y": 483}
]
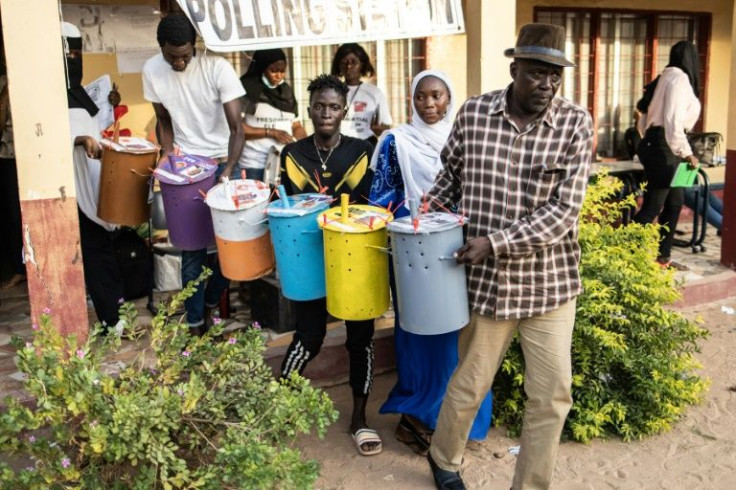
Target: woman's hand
[
  {"x": 91, "y": 147},
  {"x": 692, "y": 161},
  {"x": 114, "y": 96},
  {"x": 378, "y": 129},
  {"x": 281, "y": 136}
]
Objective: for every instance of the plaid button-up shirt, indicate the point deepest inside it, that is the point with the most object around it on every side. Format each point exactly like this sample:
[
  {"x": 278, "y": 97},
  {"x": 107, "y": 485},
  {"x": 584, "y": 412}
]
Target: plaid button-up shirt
[{"x": 523, "y": 189}]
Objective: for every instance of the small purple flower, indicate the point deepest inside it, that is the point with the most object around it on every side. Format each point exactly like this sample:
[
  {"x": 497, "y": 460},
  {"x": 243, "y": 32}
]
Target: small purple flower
[
  {"x": 180, "y": 392},
  {"x": 34, "y": 327},
  {"x": 65, "y": 463},
  {"x": 31, "y": 439},
  {"x": 30, "y": 468},
  {"x": 80, "y": 353},
  {"x": 46, "y": 311},
  {"x": 186, "y": 353},
  {"x": 232, "y": 340},
  {"x": 256, "y": 325},
  {"x": 29, "y": 345},
  {"x": 216, "y": 320},
  {"x": 121, "y": 300}
]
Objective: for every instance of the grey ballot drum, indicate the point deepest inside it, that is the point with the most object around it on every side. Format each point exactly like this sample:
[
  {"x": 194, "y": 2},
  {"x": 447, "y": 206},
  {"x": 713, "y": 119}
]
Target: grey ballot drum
[{"x": 431, "y": 288}]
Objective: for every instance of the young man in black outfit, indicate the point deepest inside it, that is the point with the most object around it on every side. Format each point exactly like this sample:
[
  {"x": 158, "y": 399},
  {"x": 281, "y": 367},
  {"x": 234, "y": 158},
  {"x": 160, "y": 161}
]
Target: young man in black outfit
[{"x": 335, "y": 164}]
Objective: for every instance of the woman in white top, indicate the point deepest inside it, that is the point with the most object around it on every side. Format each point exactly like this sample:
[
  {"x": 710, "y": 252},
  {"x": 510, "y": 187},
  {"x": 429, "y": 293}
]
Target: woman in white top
[
  {"x": 368, "y": 112},
  {"x": 271, "y": 112},
  {"x": 670, "y": 107}
]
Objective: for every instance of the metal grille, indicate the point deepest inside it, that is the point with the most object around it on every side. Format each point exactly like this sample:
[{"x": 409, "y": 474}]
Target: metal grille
[
  {"x": 396, "y": 62},
  {"x": 621, "y": 65},
  {"x": 576, "y": 82},
  {"x": 613, "y": 51}
]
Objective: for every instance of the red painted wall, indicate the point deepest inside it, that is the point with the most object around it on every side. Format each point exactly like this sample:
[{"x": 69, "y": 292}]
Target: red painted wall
[{"x": 54, "y": 263}]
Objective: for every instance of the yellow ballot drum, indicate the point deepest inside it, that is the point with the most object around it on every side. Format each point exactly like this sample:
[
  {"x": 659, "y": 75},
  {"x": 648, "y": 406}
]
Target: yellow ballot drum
[{"x": 356, "y": 262}]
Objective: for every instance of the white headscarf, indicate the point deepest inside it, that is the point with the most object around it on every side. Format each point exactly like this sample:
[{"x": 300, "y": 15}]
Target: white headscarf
[{"x": 418, "y": 144}]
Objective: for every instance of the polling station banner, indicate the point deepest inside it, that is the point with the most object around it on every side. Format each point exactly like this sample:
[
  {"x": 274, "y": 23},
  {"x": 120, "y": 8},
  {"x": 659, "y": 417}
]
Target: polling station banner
[{"x": 243, "y": 25}]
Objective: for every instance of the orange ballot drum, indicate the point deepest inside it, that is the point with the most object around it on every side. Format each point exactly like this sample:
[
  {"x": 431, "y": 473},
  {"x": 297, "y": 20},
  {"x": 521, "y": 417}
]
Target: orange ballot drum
[
  {"x": 124, "y": 180},
  {"x": 431, "y": 289},
  {"x": 356, "y": 260},
  {"x": 239, "y": 218}
]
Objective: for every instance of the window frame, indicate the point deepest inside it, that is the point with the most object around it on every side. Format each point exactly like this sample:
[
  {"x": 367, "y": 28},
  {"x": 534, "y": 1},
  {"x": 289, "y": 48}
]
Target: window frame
[{"x": 704, "y": 23}]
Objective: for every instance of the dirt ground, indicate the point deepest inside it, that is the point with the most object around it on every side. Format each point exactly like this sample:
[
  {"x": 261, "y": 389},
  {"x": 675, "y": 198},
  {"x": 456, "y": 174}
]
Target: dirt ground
[{"x": 699, "y": 453}]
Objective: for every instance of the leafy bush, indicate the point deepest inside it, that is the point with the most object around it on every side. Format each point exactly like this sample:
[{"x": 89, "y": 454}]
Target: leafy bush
[
  {"x": 633, "y": 368},
  {"x": 188, "y": 412}
]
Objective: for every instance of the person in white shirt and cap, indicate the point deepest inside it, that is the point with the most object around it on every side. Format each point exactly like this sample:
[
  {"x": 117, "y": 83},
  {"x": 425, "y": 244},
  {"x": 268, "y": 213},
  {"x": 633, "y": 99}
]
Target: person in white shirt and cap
[{"x": 102, "y": 272}]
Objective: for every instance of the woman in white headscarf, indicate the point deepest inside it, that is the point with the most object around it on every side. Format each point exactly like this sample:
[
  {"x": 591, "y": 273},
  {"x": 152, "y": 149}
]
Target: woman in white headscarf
[{"x": 405, "y": 163}]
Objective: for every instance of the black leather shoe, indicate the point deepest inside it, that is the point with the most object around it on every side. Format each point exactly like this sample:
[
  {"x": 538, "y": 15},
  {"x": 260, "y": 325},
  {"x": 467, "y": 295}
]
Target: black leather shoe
[{"x": 445, "y": 480}]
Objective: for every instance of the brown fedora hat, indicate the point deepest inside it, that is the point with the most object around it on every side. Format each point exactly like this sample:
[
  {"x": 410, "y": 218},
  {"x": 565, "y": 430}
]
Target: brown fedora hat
[{"x": 542, "y": 42}]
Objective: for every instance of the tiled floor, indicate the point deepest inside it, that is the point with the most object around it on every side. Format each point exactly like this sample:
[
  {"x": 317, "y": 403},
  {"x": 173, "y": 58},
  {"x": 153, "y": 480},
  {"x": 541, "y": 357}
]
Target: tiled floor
[
  {"x": 702, "y": 264},
  {"x": 14, "y": 312}
]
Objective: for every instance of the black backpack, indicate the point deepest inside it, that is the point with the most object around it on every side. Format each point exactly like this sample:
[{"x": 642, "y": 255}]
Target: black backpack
[{"x": 136, "y": 263}]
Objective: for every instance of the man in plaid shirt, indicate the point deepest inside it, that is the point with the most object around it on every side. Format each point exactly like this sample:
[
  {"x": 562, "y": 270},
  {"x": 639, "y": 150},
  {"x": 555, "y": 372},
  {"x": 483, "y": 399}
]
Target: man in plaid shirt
[{"x": 516, "y": 163}]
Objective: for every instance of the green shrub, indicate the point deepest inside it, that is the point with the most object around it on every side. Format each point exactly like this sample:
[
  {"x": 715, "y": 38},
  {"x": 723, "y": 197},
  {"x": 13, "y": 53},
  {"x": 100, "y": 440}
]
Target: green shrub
[
  {"x": 633, "y": 364},
  {"x": 188, "y": 412}
]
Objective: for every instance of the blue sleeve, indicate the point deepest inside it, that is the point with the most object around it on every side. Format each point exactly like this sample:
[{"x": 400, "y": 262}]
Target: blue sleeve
[{"x": 388, "y": 184}]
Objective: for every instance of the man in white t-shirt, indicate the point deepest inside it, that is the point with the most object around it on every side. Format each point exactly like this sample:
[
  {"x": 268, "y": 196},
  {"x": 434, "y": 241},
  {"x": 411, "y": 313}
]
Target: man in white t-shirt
[{"x": 196, "y": 98}]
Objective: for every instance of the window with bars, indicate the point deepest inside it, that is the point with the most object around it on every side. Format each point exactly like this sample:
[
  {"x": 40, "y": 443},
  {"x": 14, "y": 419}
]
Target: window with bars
[
  {"x": 617, "y": 53},
  {"x": 396, "y": 62}
]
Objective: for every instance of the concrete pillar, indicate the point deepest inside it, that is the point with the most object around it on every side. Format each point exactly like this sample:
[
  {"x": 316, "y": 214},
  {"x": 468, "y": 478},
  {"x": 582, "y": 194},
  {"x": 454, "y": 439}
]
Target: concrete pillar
[
  {"x": 491, "y": 28},
  {"x": 728, "y": 243},
  {"x": 37, "y": 87}
]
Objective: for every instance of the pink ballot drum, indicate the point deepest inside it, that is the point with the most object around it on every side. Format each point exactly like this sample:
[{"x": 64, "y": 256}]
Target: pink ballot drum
[
  {"x": 431, "y": 288},
  {"x": 184, "y": 180}
]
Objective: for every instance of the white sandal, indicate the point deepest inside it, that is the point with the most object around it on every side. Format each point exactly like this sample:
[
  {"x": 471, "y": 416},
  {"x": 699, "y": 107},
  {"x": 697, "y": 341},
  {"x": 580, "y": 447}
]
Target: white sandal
[{"x": 363, "y": 436}]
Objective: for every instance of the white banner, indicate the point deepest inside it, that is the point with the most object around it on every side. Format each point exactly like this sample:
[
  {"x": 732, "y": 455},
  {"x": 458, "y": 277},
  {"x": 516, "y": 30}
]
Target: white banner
[{"x": 240, "y": 25}]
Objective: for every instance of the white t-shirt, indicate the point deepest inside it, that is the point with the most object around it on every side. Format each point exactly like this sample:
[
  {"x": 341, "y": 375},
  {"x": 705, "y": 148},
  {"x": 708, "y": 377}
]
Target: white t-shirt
[
  {"x": 86, "y": 170},
  {"x": 194, "y": 99},
  {"x": 255, "y": 152},
  {"x": 364, "y": 101}
]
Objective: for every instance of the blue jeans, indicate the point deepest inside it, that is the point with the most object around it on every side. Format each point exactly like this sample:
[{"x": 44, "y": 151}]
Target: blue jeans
[
  {"x": 714, "y": 216},
  {"x": 192, "y": 262}
]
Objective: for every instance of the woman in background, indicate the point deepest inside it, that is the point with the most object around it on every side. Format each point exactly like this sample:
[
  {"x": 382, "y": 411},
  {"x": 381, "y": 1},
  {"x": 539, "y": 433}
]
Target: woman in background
[
  {"x": 368, "y": 112},
  {"x": 405, "y": 163},
  {"x": 669, "y": 108},
  {"x": 270, "y": 113}
]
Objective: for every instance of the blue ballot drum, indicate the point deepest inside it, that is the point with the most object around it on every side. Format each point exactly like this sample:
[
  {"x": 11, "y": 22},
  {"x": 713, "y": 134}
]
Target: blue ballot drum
[{"x": 298, "y": 244}]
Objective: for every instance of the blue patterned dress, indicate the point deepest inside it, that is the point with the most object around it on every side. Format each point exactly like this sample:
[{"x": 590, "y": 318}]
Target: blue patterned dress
[{"x": 424, "y": 363}]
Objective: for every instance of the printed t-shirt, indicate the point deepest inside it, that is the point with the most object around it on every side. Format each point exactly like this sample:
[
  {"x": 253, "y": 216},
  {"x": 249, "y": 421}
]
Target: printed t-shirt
[
  {"x": 255, "y": 152},
  {"x": 364, "y": 101},
  {"x": 347, "y": 168}
]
